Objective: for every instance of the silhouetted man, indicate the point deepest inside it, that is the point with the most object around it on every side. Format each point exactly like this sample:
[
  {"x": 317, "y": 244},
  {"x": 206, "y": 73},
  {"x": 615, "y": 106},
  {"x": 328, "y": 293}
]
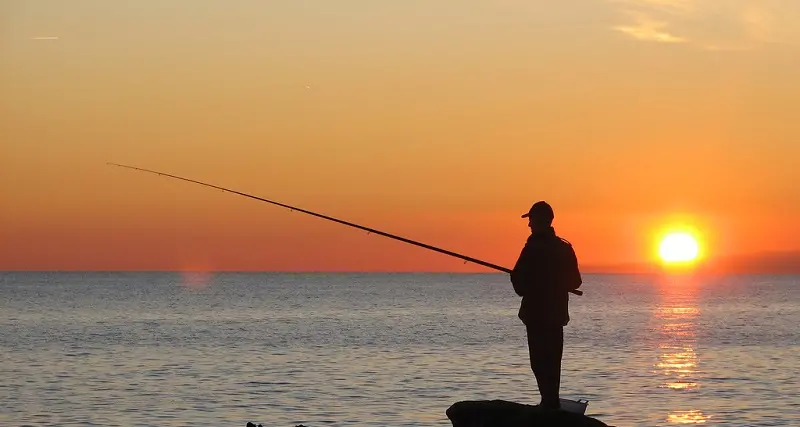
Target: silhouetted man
[{"x": 547, "y": 269}]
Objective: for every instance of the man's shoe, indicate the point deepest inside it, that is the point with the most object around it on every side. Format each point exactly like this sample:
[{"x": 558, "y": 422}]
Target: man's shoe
[{"x": 549, "y": 406}]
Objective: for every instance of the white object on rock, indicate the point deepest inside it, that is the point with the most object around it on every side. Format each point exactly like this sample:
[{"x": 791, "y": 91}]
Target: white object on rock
[{"x": 575, "y": 406}]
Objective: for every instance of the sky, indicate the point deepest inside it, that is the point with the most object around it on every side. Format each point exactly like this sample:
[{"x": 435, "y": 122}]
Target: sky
[{"x": 438, "y": 121}]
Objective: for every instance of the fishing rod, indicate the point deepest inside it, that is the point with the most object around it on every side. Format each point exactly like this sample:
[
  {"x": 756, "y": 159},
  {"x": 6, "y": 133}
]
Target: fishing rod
[{"x": 367, "y": 229}]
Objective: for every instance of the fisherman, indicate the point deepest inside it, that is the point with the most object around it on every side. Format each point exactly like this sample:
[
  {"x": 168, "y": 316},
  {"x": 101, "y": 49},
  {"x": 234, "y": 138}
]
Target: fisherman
[{"x": 546, "y": 270}]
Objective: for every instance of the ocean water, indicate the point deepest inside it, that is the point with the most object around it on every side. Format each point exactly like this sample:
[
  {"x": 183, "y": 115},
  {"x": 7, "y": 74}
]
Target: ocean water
[{"x": 171, "y": 349}]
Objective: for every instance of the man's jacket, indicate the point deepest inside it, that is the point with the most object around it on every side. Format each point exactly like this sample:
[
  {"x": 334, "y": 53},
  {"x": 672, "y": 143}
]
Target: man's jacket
[{"x": 547, "y": 269}]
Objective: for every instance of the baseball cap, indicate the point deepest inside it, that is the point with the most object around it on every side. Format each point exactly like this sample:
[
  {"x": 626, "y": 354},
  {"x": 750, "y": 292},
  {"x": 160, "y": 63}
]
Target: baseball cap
[{"x": 540, "y": 209}]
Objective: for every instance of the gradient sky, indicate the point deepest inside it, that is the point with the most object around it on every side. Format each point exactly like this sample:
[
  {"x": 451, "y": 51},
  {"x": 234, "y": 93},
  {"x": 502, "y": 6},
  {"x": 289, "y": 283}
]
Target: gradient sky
[{"x": 440, "y": 121}]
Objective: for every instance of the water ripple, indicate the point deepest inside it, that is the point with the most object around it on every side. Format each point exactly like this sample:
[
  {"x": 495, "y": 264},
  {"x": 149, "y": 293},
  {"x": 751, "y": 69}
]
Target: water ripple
[{"x": 286, "y": 349}]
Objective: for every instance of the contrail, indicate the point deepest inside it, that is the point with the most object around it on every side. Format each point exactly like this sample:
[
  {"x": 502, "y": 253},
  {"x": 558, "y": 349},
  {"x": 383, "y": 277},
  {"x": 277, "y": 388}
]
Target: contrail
[{"x": 45, "y": 38}]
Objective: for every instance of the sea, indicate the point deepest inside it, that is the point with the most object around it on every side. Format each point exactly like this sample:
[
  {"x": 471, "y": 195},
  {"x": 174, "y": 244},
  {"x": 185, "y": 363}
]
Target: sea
[{"x": 381, "y": 349}]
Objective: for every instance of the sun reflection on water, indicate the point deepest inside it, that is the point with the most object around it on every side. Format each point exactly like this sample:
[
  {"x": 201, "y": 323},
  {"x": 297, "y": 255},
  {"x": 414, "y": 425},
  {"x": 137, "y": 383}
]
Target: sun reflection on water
[
  {"x": 677, "y": 359},
  {"x": 688, "y": 417}
]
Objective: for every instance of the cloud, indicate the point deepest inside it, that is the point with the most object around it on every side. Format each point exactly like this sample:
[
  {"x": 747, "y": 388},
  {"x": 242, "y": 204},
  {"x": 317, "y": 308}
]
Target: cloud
[
  {"x": 723, "y": 25},
  {"x": 644, "y": 27}
]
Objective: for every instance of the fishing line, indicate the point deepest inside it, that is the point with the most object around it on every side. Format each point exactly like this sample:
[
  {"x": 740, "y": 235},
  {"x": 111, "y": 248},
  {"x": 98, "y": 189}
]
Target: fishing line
[{"x": 329, "y": 218}]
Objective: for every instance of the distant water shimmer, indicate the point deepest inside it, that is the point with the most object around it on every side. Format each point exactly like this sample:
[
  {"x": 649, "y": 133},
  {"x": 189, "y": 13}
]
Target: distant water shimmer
[{"x": 170, "y": 349}]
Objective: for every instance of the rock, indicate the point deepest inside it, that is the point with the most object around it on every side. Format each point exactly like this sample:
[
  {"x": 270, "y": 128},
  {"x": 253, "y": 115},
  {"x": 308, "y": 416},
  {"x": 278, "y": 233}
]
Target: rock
[
  {"x": 250, "y": 424},
  {"x": 501, "y": 413}
]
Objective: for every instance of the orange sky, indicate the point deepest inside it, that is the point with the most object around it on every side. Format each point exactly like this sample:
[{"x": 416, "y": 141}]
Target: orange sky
[{"x": 441, "y": 122}]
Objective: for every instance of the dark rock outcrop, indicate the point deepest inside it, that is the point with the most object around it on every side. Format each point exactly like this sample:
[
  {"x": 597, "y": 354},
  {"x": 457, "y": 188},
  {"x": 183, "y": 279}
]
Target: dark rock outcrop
[{"x": 501, "y": 413}]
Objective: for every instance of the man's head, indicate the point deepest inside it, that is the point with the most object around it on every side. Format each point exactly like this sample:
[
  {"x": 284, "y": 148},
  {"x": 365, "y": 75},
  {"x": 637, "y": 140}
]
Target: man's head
[{"x": 540, "y": 216}]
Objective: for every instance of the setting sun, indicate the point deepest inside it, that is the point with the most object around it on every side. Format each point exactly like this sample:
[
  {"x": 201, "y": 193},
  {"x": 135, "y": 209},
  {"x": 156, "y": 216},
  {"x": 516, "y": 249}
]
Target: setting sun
[{"x": 678, "y": 248}]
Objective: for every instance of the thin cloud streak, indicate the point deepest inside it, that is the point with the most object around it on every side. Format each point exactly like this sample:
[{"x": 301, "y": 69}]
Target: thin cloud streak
[
  {"x": 720, "y": 25},
  {"x": 645, "y": 28}
]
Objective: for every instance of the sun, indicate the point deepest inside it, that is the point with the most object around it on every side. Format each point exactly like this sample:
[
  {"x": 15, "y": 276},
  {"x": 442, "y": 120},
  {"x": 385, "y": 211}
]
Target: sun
[{"x": 678, "y": 247}]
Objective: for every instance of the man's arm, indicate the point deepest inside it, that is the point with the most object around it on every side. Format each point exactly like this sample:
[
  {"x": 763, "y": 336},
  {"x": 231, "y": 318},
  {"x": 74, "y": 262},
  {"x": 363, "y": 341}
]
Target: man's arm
[
  {"x": 572, "y": 274},
  {"x": 521, "y": 273}
]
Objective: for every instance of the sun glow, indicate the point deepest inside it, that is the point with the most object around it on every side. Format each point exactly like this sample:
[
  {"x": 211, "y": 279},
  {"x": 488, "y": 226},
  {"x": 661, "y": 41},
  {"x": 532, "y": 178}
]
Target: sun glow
[{"x": 678, "y": 247}]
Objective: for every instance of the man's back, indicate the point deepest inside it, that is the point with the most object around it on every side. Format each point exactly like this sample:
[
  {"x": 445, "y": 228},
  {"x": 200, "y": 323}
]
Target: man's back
[{"x": 545, "y": 272}]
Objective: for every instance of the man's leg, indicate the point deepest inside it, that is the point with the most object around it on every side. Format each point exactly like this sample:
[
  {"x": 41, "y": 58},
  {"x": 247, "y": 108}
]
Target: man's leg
[
  {"x": 552, "y": 368},
  {"x": 535, "y": 351},
  {"x": 545, "y": 346}
]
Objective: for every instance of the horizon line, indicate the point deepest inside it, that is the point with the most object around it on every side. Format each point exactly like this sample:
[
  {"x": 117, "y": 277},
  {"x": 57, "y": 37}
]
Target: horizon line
[{"x": 598, "y": 272}]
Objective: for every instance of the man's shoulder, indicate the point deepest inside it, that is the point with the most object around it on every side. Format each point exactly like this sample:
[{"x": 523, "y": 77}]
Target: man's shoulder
[
  {"x": 547, "y": 244},
  {"x": 537, "y": 240},
  {"x": 565, "y": 246}
]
